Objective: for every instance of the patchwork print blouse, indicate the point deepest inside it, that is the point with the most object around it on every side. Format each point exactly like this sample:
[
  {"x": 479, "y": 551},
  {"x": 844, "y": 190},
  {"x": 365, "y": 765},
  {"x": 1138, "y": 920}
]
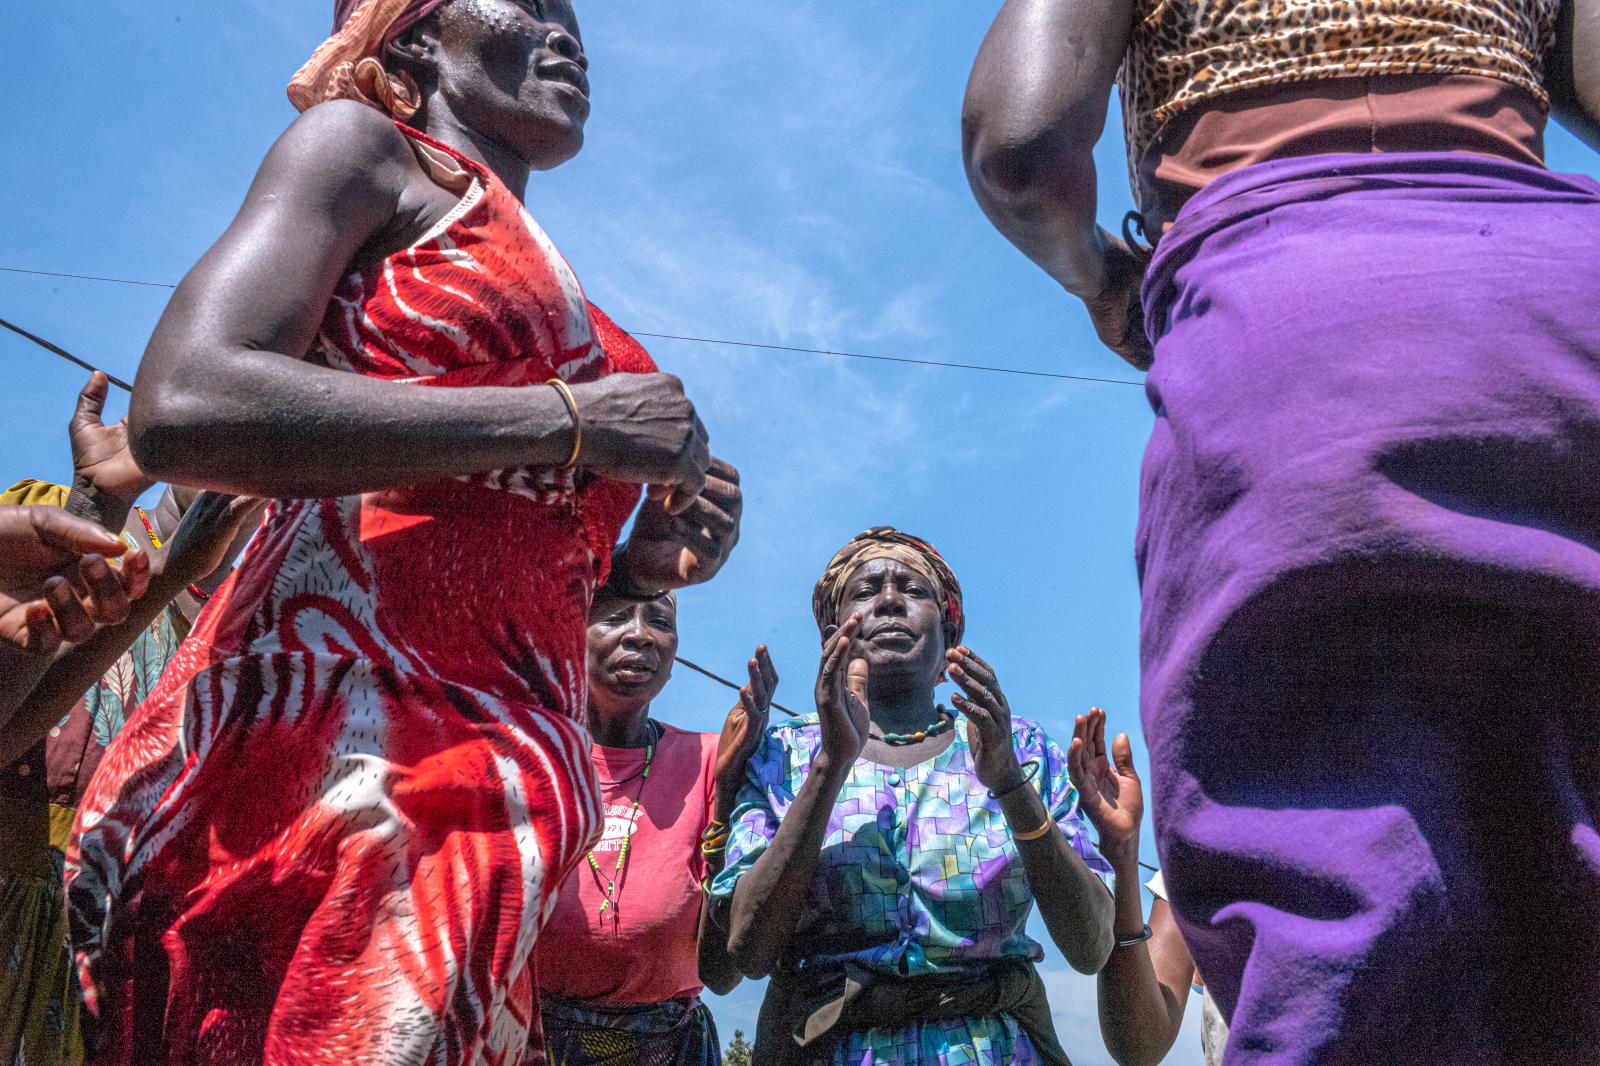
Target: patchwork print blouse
[{"x": 918, "y": 875}]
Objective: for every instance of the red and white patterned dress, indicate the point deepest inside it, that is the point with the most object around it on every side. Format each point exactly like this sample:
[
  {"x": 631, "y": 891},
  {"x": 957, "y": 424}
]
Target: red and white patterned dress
[{"x": 332, "y": 833}]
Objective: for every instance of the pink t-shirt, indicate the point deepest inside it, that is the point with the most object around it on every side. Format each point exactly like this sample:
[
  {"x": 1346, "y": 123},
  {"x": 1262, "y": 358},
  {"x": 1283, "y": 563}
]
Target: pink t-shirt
[{"x": 647, "y": 951}]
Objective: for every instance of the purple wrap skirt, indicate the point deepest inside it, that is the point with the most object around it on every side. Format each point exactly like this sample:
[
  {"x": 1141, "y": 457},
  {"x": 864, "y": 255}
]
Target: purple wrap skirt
[{"x": 1369, "y": 553}]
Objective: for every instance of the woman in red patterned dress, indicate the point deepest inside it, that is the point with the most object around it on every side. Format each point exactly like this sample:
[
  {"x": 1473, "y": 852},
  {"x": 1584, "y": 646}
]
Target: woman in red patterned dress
[{"x": 333, "y": 831}]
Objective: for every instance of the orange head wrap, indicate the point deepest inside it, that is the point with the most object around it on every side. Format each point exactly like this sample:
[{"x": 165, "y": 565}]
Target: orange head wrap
[{"x": 349, "y": 64}]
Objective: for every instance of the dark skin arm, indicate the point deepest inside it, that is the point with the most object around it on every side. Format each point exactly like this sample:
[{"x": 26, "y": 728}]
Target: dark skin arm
[
  {"x": 1035, "y": 106},
  {"x": 209, "y": 529},
  {"x": 1573, "y": 70},
  {"x": 1144, "y": 988},
  {"x": 1074, "y": 903},
  {"x": 226, "y": 400},
  {"x": 770, "y": 897},
  {"x": 741, "y": 735}
]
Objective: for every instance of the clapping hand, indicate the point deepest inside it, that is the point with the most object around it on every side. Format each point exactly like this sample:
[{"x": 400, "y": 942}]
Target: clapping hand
[
  {"x": 672, "y": 551},
  {"x": 743, "y": 729},
  {"x": 988, "y": 715},
  {"x": 842, "y": 698},
  {"x": 1109, "y": 792},
  {"x": 55, "y": 582}
]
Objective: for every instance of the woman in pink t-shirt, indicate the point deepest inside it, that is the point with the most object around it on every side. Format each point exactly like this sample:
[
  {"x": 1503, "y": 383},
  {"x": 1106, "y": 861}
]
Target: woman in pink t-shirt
[{"x": 630, "y": 943}]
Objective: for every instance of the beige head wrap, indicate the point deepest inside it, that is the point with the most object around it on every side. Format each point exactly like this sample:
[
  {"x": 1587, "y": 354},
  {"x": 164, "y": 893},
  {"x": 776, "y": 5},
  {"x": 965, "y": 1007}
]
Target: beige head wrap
[{"x": 886, "y": 542}]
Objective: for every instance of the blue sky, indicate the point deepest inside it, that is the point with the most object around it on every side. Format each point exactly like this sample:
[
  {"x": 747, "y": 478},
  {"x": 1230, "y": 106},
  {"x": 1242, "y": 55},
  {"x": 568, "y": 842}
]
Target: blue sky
[{"x": 779, "y": 172}]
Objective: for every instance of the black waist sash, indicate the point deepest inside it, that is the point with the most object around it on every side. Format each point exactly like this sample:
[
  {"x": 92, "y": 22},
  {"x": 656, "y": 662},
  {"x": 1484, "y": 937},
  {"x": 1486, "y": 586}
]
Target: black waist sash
[{"x": 808, "y": 1010}]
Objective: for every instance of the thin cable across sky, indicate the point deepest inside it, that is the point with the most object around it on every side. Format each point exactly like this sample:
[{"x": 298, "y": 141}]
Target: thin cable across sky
[{"x": 694, "y": 340}]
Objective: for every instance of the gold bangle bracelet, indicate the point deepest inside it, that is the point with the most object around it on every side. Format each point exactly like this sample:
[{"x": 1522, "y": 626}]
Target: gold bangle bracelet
[
  {"x": 577, "y": 421},
  {"x": 1049, "y": 824}
]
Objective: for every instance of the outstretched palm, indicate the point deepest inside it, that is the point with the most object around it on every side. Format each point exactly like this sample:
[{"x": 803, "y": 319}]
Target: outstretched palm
[
  {"x": 745, "y": 725},
  {"x": 842, "y": 696},
  {"x": 1109, "y": 791}
]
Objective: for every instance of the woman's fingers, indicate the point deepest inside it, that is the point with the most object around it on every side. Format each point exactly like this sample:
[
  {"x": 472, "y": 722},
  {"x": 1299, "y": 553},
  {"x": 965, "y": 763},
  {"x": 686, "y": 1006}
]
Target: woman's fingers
[
  {"x": 72, "y": 621},
  {"x": 705, "y": 515},
  {"x": 40, "y": 624},
  {"x": 1097, "y": 732},
  {"x": 698, "y": 547},
  {"x": 1122, "y": 755},
  {"x": 107, "y": 598},
  {"x": 1075, "y": 771},
  {"x": 977, "y": 667},
  {"x": 757, "y": 685},
  {"x": 135, "y": 575},
  {"x": 763, "y": 678},
  {"x": 976, "y": 713},
  {"x": 833, "y": 652},
  {"x": 243, "y": 507},
  {"x": 68, "y": 533},
  {"x": 974, "y": 688},
  {"x": 755, "y": 715},
  {"x": 769, "y": 673},
  {"x": 92, "y": 401},
  {"x": 722, "y": 487},
  {"x": 856, "y": 681}
]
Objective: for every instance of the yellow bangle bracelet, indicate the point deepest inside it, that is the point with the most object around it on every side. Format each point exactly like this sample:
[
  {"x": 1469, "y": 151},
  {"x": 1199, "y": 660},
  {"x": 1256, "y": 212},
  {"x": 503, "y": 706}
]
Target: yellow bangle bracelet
[
  {"x": 1049, "y": 824},
  {"x": 577, "y": 421}
]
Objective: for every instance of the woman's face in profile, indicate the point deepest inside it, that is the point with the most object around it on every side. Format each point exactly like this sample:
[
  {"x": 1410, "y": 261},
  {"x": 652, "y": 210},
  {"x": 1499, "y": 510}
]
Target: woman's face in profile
[{"x": 515, "y": 71}]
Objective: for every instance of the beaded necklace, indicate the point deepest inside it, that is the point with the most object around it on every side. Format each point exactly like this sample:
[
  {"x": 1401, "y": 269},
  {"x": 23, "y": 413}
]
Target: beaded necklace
[
  {"x": 610, "y": 902},
  {"x": 946, "y": 722}
]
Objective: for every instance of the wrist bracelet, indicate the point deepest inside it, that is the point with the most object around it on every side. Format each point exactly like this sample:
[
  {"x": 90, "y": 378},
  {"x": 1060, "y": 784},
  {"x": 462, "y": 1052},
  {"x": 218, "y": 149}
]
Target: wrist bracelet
[
  {"x": 1027, "y": 778},
  {"x": 199, "y": 593},
  {"x": 577, "y": 420},
  {"x": 1049, "y": 824},
  {"x": 1135, "y": 940}
]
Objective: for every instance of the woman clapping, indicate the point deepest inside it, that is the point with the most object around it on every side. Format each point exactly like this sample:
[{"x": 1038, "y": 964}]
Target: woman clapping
[{"x": 883, "y": 862}]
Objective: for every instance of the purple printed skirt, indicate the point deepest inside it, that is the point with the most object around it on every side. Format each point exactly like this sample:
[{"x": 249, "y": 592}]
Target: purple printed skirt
[{"x": 1369, "y": 549}]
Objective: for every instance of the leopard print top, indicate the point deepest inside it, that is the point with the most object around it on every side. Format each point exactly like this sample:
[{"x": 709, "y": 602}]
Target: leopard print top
[{"x": 1185, "y": 51}]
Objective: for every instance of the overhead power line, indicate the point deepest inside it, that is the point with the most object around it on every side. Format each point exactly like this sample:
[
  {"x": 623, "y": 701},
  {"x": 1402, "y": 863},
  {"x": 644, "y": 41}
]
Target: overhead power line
[
  {"x": 701, "y": 340},
  {"x": 89, "y": 277},
  {"x": 63, "y": 353},
  {"x": 724, "y": 681}
]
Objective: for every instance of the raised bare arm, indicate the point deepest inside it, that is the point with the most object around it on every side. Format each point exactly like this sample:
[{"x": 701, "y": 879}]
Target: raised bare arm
[
  {"x": 770, "y": 898},
  {"x": 1144, "y": 986},
  {"x": 1035, "y": 106},
  {"x": 1573, "y": 70},
  {"x": 226, "y": 400}
]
